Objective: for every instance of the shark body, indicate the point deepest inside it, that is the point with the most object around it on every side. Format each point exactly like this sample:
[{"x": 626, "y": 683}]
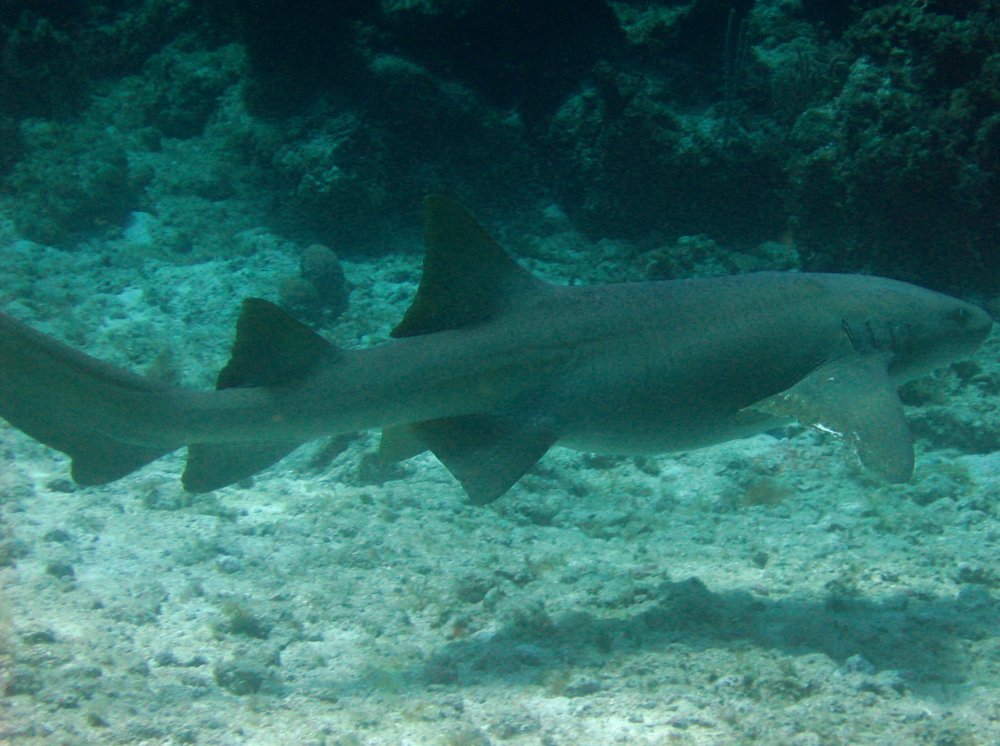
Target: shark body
[{"x": 490, "y": 367}]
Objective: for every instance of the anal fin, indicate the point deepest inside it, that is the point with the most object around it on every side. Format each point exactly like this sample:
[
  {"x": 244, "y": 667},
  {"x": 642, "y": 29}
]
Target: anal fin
[{"x": 211, "y": 465}]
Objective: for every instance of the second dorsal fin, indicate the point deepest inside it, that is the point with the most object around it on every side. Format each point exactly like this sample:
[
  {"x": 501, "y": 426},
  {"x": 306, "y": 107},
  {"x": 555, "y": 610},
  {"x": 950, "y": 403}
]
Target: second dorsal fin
[{"x": 272, "y": 348}]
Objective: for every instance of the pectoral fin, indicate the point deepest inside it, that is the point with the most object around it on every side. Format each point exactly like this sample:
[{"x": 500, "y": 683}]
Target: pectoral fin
[
  {"x": 487, "y": 454},
  {"x": 853, "y": 397}
]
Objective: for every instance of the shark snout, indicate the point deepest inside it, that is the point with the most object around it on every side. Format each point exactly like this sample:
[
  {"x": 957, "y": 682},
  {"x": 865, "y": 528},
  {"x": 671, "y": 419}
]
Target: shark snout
[
  {"x": 975, "y": 320},
  {"x": 966, "y": 326},
  {"x": 945, "y": 330}
]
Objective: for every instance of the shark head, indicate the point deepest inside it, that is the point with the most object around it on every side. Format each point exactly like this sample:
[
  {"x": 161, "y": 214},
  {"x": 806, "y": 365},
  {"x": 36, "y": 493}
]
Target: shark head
[
  {"x": 922, "y": 329},
  {"x": 949, "y": 330}
]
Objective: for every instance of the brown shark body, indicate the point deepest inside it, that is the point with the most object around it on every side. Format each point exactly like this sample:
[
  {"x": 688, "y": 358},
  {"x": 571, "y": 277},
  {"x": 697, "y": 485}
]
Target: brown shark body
[{"x": 491, "y": 367}]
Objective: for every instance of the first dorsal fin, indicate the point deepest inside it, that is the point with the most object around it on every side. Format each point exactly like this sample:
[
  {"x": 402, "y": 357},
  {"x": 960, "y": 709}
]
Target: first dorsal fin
[{"x": 467, "y": 277}]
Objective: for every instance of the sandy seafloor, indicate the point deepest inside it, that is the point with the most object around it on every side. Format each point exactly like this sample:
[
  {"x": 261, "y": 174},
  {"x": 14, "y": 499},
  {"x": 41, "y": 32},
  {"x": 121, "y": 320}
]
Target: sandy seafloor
[{"x": 763, "y": 591}]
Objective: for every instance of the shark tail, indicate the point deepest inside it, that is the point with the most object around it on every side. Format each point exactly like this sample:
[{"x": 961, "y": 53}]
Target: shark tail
[
  {"x": 111, "y": 422},
  {"x": 94, "y": 412}
]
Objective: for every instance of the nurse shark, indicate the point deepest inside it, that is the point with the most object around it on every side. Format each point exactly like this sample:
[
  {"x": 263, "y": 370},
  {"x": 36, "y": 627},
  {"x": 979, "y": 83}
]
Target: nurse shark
[{"x": 491, "y": 367}]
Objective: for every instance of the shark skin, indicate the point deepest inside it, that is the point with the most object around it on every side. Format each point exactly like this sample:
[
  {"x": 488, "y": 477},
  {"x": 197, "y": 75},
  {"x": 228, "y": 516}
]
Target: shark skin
[{"x": 490, "y": 367}]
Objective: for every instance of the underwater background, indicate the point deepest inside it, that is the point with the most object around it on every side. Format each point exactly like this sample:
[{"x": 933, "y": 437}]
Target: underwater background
[{"x": 160, "y": 160}]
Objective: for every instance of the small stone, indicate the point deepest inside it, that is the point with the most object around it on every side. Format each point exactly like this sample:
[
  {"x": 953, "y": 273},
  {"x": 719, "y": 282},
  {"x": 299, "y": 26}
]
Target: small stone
[
  {"x": 240, "y": 677},
  {"x": 320, "y": 266},
  {"x": 61, "y": 570},
  {"x": 228, "y": 564},
  {"x": 582, "y": 686},
  {"x": 859, "y": 664}
]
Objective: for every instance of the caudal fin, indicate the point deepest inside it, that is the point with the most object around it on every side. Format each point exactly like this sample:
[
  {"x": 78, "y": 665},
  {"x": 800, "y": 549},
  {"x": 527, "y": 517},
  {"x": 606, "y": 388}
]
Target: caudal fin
[{"x": 95, "y": 413}]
